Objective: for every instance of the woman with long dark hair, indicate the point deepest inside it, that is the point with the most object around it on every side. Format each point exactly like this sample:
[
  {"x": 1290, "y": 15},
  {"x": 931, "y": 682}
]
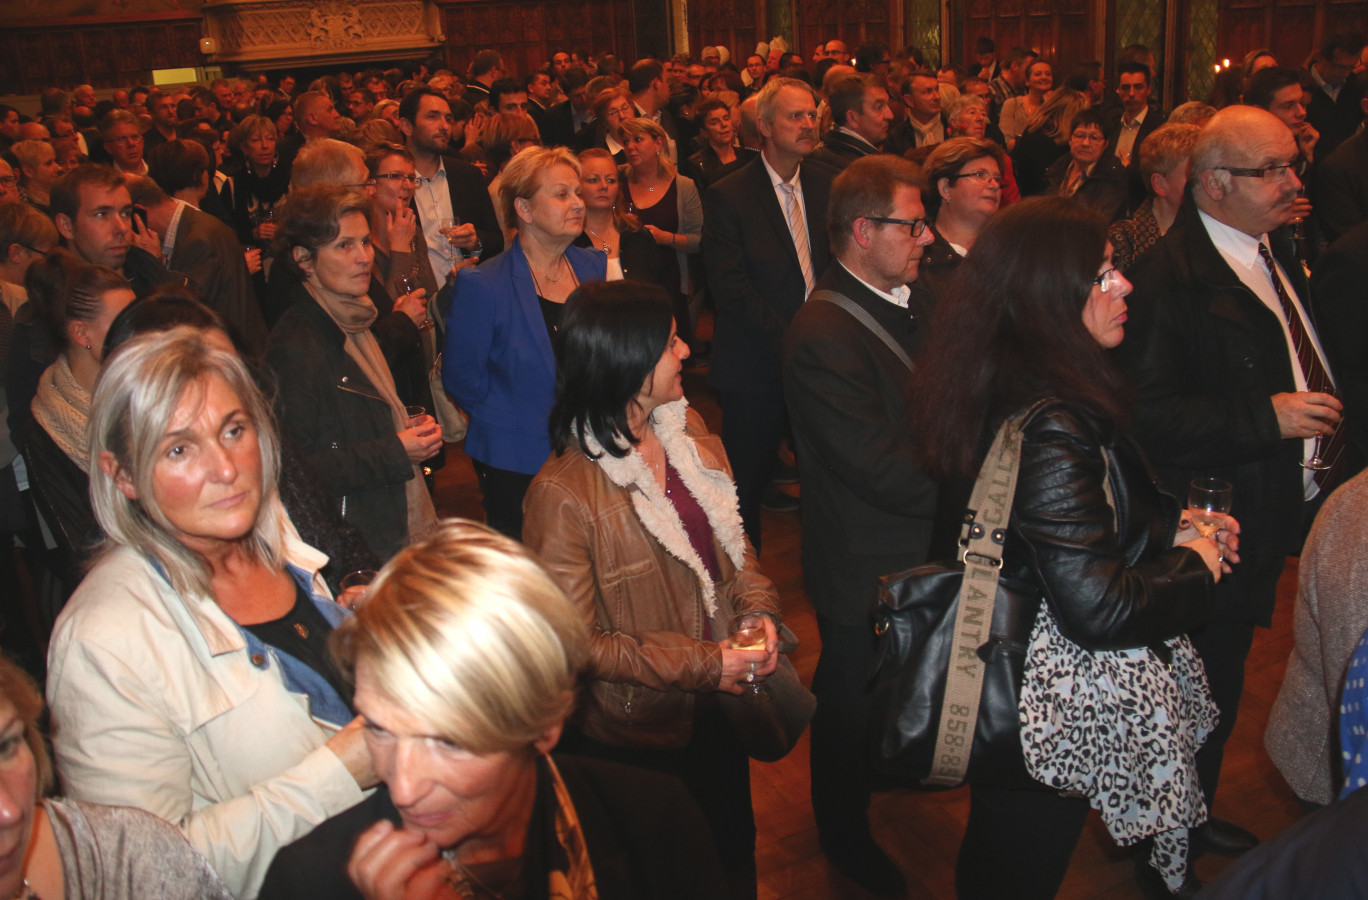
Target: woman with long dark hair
[{"x": 1027, "y": 327}]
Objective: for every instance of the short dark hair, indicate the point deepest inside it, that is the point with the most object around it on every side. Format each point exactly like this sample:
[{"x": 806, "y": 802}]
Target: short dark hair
[
  {"x": 504, "y": 86},
  {"x": 1019, "y": 54},
  {"x": 641, "y": 75},
  {"x": 612, "y": 334},
  {"x": 869, "y": 54},
  {"x": 822, "y": 67},
  {"x": 168, "y": 306},
  {"x": 485, "y": 61},
  {"x": 1083, "y": 75},
  {"x": 1134, "y": 68},
  {"x": 867, "y": 187},
  {"x": 178, "y": 164},
  {"x": 847, "y": 95},
  {"x": 1268, "y": 81},
  {"x": 65, "y": 199},
  {"x": 1085, "y": 117},
  {"x": 1342, "y": 42},
  {"x": 311, "y": 216},
  {"x": 984, "y": 45},
  {"x": 573, "y": 77},
  {"x": 408, "y": 107}
]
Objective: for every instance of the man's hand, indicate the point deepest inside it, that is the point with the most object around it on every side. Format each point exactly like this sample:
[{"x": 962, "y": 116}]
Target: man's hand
[
  {"x": 146, "y": 238},
  {"x": 1306, "y": 413},
  {"x": 464, "y": 237}
]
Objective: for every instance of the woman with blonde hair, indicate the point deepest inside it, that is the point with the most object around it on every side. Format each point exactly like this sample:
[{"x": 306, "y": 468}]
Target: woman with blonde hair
[
  {"x": 631, "y": 251},
  {"x": 188, "y": 675},
  {"x": 465, "y": 656},
  {"x": 498, "y": 362},
  {"x": 39, "y": 172},
  {"x": 668, "y": 206},
  {"x": 503, "y": 137},
  {"x": 1045, "y": 139}
]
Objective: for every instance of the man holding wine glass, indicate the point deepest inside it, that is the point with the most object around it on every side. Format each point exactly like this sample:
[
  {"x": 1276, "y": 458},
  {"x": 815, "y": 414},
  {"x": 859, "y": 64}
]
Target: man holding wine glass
[
  {"x": 1232, "y": 385},
  {"x": 447, "y": 187}
]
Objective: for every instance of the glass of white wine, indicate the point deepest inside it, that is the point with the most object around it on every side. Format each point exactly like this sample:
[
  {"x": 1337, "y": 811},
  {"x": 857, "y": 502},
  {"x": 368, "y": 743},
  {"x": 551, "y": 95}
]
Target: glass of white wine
[
  {"x": 1209, "y": 499},
  {"x": 748, "y": 633},
  {"x": 446, "y": 227}
]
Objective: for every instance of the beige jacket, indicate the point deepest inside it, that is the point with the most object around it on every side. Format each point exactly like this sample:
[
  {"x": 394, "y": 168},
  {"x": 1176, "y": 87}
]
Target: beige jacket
[
  {"x": 612, "y": 539},
  {"x": 157, "y": 705},
  {"x": 1327, "y": 623}
]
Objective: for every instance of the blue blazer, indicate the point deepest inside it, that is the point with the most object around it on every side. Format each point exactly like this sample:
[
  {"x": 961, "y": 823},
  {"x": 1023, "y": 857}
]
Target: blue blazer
[{"x": 498, "y": 363}]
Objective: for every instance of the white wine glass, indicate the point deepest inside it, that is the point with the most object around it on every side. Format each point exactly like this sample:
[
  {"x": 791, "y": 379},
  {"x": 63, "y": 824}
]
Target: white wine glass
[
  {"x": 748, "y": 633},
  {"x": 1209, "y": 500}
]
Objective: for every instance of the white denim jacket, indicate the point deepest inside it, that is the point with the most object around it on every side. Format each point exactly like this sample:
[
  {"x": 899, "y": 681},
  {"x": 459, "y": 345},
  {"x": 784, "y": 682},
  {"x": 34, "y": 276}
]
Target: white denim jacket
[{"x": 157, "y": 703}]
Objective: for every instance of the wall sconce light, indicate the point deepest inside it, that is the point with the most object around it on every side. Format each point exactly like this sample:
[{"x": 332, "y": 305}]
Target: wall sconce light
[{"x": 208, "y": 46}]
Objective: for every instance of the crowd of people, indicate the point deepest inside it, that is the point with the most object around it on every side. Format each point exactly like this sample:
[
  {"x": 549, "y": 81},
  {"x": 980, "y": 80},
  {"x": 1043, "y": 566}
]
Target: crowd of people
[{"x": 245, "y": 323}]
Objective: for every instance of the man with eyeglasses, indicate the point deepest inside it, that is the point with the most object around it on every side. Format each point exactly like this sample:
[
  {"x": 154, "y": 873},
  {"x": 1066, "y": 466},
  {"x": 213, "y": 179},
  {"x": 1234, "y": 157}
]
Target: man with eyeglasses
[
  {"x": 1334, "y": 108},
  {"x": 867, "y": 505},
  {"x": 123, "y": 141},
  {"x": 1232, "y": 382},
  {"x": 9, "y": 184}
]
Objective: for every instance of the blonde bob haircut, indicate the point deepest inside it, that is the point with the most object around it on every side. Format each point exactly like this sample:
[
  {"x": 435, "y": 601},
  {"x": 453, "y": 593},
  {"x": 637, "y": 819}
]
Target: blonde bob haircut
[
  {"x": 664, "y": 168},
  {"x": 466, "y": 631},
  {"x": 17, "y": 689},
  {"x": 522, "y": 177},
  {"x": 139, "y": 388}
]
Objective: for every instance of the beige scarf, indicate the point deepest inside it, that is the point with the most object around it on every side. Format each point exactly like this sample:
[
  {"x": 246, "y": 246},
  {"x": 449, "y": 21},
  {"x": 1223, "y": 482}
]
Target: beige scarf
[
  {"x": 354, "y": 316},
  {"x": 62, "y": 407}
]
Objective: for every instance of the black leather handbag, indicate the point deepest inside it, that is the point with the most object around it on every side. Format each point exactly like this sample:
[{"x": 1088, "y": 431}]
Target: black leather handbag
[{"x": 952, "y": 646}]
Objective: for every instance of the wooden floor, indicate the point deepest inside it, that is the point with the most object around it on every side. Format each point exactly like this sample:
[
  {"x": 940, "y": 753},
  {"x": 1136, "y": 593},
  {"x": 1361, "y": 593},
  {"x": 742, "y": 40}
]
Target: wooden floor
[{"x": 921, "y": 831}]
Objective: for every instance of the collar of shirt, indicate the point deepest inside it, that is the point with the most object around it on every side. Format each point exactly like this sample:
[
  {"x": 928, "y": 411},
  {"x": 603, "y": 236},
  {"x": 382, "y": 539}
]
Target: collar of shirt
[
  {"x": 169, "y": 240},
  {"x": 1331, "y": 90},
  {"x": 1137, "y": 121},
  {"x": 775, "y": 180},
  {"x": 613, "y": 146},
  {"x": 1236, "y": 246},
  {"x": 899, "y": 296},
  {"x": 859, "y": 137}
]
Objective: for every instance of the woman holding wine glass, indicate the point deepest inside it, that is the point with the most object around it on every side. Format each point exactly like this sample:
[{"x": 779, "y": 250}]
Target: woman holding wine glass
[
  {"x": 635, "y": 516},
  {"x": 1035, "y": 309}
]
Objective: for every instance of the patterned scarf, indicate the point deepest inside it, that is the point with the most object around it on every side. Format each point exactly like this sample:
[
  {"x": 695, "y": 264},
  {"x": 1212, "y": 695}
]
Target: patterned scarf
[{"x": 62, "y": 407}]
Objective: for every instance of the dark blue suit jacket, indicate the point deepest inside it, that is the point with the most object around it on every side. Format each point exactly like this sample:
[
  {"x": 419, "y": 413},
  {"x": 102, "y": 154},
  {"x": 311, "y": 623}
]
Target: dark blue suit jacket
[{"x": 498, "y": 362}]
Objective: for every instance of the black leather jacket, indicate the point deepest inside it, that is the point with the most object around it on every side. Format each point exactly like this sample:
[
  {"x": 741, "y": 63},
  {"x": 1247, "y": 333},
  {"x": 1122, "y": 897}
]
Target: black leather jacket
[{"x": 1110, "y": 586}]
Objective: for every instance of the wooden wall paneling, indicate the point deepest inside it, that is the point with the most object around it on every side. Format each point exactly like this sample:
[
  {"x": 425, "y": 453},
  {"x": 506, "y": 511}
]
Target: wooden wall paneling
[{"x": 733, "y": 25}]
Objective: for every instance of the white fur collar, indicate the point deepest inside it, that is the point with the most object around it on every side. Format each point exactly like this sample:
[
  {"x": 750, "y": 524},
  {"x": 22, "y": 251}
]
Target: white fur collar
[{"x": 712, "y": 488}]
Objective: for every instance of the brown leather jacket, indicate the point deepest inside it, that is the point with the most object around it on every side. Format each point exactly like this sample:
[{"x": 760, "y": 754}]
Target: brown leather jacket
[{"x": 610, "y": 537}]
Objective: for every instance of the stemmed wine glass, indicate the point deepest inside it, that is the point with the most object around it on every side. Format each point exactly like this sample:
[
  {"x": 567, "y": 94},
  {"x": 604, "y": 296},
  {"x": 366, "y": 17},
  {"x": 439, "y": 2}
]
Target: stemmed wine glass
[
  {"x": 1317, "y": 462},
  {"x": 1208, "y": 500},
  {"x": 748, "y": 633},
  {"x": 446, "y": 227}
]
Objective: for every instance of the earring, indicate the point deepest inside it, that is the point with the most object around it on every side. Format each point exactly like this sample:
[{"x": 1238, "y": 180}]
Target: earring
[{"x": 87, "y": 346}]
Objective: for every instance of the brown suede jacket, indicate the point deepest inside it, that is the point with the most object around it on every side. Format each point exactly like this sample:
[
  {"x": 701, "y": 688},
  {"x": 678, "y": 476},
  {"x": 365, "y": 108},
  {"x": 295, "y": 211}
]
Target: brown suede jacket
[{"x": 612, "y": 540}]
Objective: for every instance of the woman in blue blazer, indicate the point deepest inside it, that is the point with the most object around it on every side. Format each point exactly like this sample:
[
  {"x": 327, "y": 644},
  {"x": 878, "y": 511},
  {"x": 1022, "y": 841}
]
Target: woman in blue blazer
[{"x": 498, "y": 363}]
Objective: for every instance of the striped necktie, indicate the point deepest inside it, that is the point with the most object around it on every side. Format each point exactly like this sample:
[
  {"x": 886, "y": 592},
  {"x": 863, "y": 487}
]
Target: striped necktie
[
  {"x": 793, "y": 210},
  {"x": 1317, "y": 378}
]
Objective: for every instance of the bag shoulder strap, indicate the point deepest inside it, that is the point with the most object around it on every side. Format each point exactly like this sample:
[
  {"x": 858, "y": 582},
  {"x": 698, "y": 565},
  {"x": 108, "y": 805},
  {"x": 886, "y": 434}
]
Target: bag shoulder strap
[
  {"x": 861, "y": 315},
  {"x": 983, "y": 536}
]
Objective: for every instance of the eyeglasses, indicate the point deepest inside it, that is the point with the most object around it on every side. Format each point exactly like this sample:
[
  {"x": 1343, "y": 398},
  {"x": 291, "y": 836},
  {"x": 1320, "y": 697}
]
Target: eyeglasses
[
  {"x": 982, "y": 176},
  {"x": 8, "y": 180},
  {"x": 1108, "y": 279},
  {"x": 398, "y": 176},
  {"x": 918, "y": 226},
  {"x": 1267, "y": 173}
]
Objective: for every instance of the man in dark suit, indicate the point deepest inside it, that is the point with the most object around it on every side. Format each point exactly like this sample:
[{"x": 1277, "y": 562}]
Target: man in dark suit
[
  {"x": 447, "y": 187},
  {"x": 566, "y": 118},
  {"x": 650, "y": 98},
  {"x": 1339, "y": 197},
  {"x": 764, "y": 246},
  {"x": 1342, "y": 320},
  {"x": 1334, "y": 110},
  {"x": 867, "y": 507},
  {"x": 1217, "y": 302},
  {"x": 1131, "y": 123},
  {"x": 860, "y": 121},
  {"x": 207, "y": 252}
]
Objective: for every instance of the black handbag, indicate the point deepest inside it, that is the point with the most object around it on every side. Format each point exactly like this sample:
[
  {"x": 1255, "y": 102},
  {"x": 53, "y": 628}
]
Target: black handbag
[{"x": 952, "y": 646}]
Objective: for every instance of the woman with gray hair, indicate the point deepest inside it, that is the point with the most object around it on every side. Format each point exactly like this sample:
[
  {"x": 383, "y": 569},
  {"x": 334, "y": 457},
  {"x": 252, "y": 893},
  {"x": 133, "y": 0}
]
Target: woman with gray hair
[
  {"x": 465, "y": 656},
  {"x": 188, "y": 675}
]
